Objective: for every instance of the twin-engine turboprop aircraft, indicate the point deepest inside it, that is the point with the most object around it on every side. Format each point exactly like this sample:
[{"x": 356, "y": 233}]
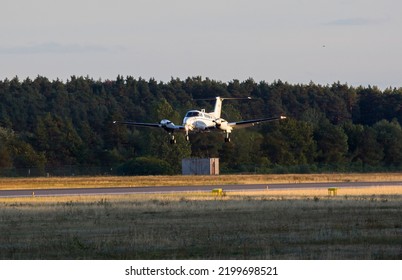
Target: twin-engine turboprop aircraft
[{"x": 201, "y": 121}]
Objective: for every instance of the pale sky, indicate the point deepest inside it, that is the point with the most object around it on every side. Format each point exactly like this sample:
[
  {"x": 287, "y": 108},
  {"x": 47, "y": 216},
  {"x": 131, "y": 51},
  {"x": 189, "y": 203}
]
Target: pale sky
[{"x": 358, "y": 42}]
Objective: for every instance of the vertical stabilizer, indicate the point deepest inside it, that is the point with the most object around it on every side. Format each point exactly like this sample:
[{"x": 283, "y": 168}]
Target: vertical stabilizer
[
  {"x": 218, "y": 107},
  {"x": 218, "y": 104}
]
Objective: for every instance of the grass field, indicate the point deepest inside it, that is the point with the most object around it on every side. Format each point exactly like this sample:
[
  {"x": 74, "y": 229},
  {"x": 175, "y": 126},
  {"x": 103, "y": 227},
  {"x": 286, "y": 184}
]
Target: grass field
[{"x": 271, "y": 224}]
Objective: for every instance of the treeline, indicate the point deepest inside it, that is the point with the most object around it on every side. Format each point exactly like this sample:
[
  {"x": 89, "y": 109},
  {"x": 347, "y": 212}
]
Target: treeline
[{"x": 49, "y": 125}]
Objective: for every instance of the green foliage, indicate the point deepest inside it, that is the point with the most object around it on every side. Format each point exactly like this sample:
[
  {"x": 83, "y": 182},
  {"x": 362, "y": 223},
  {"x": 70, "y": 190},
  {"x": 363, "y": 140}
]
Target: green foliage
[
  {"x": 145, "y": 166},
  {"x": 51, "y": 124},
  {"x": 16, "y": 153},
  {"x": 389, "y": 136},
  {"x": 331, "y": 143},
  {"x": 290, "y": 143},
  {"x": 363, "y": 146}
]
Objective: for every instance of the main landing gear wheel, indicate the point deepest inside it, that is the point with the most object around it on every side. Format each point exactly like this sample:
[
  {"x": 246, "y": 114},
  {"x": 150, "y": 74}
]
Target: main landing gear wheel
[
  {"x": 227, "y": 138},
  {"x": 172, "y": 140},
  {"x": 187, "y": 138}
]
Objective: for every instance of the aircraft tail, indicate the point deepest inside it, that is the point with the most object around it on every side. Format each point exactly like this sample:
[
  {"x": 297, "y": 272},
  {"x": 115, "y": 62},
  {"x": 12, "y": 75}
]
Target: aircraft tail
[{"x": 218, "y": 105}]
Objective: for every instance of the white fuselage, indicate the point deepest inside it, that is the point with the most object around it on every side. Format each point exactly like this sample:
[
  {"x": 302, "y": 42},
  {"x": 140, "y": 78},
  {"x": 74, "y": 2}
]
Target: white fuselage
[{"x": 199, "y": 121}]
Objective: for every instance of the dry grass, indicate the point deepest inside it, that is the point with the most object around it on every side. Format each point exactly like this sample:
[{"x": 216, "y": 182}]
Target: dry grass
[
  {"x": 273, "y": 194},
  {"x": 342, "y": 193},
  {"x": 363, "y": 223},
  {"x": 109, "y": 181}
]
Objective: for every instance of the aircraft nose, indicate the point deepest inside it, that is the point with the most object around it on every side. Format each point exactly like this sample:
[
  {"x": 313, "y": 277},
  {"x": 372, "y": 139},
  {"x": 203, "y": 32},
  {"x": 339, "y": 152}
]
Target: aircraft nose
[{"x": 188, "y": 123}]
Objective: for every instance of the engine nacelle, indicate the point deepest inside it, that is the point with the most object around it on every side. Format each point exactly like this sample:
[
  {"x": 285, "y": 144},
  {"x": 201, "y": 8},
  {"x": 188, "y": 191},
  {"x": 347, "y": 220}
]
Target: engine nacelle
[
  {"x": 167, "y": 124},
  {"x": 221, "y": 124}
]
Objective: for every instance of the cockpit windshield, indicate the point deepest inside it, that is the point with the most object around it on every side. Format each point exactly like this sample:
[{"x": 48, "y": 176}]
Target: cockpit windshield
[{"x": 192, "y": 114}]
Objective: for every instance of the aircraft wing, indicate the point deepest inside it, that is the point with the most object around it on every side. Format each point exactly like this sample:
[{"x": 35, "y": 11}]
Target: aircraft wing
[
  {"x": 138, "y": 123},
  {"x": 248, "y": 123},
  {"x": 165, "y": 124}
]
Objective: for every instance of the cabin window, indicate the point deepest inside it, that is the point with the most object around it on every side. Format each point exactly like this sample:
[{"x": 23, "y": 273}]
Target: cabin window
[{"x": 192, "y": 114}]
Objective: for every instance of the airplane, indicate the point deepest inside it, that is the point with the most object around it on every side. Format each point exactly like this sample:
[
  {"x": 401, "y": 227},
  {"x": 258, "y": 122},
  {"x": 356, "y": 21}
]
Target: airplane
[{"x": 201, "y": 121}]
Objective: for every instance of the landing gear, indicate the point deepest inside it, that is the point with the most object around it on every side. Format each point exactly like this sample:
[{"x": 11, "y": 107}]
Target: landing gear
[
  {"x": 172, "y": 139},
  {"x": 227, "y": 138}
]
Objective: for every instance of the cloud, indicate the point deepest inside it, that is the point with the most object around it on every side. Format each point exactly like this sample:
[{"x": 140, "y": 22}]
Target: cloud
[
  {"x": 56, "y": 48},
  {"x": 353, "y": 22}
]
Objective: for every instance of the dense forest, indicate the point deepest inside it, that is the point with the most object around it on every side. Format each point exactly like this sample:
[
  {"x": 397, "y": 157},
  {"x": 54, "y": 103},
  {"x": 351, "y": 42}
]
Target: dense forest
[{"x": 66, "y": 128}]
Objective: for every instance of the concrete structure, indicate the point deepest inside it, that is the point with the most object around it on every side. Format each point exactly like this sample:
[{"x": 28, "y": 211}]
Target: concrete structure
[{"x": 200, "y": 166}]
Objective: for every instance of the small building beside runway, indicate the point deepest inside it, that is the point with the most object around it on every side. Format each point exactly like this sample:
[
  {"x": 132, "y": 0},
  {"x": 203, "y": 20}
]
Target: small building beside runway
[{"x": 200, "y": 166}]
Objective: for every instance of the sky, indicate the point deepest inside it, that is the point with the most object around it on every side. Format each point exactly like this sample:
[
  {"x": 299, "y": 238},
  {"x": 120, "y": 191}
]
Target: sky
[{"x": 357, "y": 42}]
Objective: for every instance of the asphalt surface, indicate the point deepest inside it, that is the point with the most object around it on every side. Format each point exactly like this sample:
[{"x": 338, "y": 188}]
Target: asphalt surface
[{"x": 178, "y": 189}]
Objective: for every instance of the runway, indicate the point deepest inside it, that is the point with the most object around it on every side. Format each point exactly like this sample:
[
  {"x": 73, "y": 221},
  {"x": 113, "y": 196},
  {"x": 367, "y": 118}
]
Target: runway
[{"x": 181, "y": 189}]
